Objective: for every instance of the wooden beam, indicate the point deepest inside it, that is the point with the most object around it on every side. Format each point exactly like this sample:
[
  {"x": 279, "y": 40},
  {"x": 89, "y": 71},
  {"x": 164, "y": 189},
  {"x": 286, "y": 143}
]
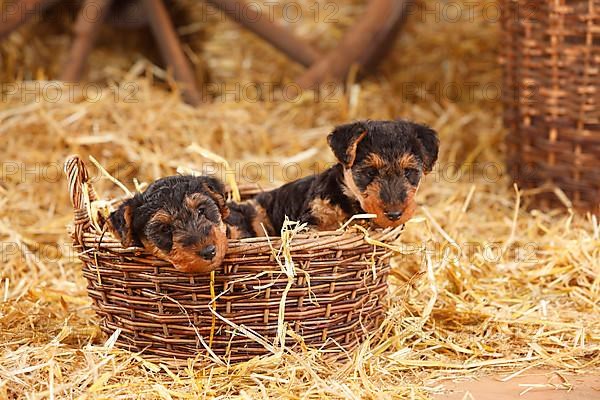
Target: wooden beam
[
  {"x": 90, "y": 19},
  {"x": 364, "y": 45},
  {"x": 279, "y": 37},
  {"x": 172, "y": 52},
  {"x": 384, "y": 43}
]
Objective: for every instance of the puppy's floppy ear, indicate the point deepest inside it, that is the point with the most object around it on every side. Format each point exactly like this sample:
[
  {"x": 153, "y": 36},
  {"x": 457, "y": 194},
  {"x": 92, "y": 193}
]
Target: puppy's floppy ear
[
  {"x": 429, "y": 146},
  {"x": 216, "y": 191},
  {"x": 344, "y": 140},
  {"x": 120, "y": 221}
]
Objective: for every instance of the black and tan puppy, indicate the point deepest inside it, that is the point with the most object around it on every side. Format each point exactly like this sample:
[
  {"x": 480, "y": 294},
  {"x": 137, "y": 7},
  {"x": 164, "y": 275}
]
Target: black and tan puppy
[
  {"x": 380, "y": 166},
  {"x": 243, "y": 221},
  {"x": 179, "y": 219}
]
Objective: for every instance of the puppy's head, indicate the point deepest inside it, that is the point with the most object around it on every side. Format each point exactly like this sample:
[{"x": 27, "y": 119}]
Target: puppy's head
[
  {"x": 383, "y": 163},
  {"x": 179, "y": 219}
]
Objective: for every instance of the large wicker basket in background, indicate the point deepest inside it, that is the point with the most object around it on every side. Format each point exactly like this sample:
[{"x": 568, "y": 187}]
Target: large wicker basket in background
[
  {"x": 334, "y": 300},
  {"x": 552, "y": 97}
]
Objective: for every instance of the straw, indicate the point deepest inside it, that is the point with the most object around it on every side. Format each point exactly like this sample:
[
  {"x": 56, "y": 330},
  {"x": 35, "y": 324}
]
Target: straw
[{"x": 522, "y": 292}]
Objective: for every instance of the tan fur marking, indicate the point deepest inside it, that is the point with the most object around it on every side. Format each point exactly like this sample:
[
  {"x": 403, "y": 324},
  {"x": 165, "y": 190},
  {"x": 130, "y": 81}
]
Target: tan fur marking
[
  {"x": 220, "y": 200},
  {"x": 126, "y": 241},
  {"x": 162, "y": 216},
  {"x": 375, "y": 161},
  {"x": 148, "y": 245},
  {"x": 353, "y": 190},
  {"x": 186, "y": 259},
  {"x": 330, "y": 217},
  {"x": 224, "y": 211},
  {"x": 128, "y": 216},
  {"x": 221, "y": 243},
  {"x": 351, "y": 151},
  {"x": 410, "y": 205},
  {"x": 112, "y": 230},
  {"x": 223, "y": 227},
  {"x": 407, "y": 161},
  {"x": 234, "y": 233},
  {"x": 193, "y": 200},
  {"x": 374, "y": 205},
  {"x": 261, "y": 218}
]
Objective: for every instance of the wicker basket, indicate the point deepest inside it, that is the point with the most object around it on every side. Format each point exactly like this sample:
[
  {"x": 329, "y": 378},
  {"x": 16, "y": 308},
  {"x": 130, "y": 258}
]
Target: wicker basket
[
  {"x": 551, "y": 55},
  {"x": 334, "y": 301}
]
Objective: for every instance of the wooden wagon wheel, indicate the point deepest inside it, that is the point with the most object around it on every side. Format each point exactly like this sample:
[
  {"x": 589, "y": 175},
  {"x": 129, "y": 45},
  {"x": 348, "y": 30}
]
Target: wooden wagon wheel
[{"x": 365, "y": 45}]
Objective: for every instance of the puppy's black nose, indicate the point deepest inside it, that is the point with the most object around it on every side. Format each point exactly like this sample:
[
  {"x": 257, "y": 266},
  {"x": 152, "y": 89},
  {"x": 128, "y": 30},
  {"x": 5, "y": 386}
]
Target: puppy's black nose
[
  {"x": 208, "y": 253},
  {"x": 393, "y": 215}
]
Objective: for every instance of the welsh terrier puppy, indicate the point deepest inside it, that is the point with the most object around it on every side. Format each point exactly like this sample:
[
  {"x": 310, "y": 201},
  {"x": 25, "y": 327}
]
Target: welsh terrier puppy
[
  {"x": 180, "y": 219},
  {"x": 380, "y": 166}
]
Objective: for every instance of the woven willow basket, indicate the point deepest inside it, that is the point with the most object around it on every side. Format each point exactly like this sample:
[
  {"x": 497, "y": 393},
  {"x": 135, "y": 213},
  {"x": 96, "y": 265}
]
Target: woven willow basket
[
  {"x": 334, "y": 300},
  {"x": 552, "y": 97}
]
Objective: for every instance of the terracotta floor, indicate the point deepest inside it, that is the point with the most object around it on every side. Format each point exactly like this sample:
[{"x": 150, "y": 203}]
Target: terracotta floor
[{"x": 584, "y": 387}]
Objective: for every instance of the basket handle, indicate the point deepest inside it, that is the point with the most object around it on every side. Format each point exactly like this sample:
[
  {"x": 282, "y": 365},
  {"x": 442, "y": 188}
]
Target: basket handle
[{"x": 78, "y": 178}]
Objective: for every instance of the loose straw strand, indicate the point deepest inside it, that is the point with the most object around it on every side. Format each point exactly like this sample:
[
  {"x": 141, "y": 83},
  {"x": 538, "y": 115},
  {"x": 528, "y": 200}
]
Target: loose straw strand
[{"x": 213, "y": 305}]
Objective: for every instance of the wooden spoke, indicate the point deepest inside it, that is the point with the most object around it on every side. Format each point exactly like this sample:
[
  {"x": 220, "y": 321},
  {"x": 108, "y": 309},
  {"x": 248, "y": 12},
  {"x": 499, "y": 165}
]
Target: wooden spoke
[
  {"x": 374, "y": 54},
  {"x": 89, "y": 21},
  {"x": 279, "y": 37},
  {"x": 365, "y": 44},
  {"x": 172, "y": 52}
]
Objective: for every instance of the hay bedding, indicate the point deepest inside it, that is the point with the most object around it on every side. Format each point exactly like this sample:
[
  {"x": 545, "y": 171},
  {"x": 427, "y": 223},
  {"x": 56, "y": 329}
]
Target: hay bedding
[{"x": 522, "y": 293}]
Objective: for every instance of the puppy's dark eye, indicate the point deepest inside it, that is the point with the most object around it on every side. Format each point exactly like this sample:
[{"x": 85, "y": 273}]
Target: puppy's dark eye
[
  {"x": 412, "y": 175},
  {"x": 201, "y": 210},
  {"x": 371, "y": 173},
  {"x": 164, "y": 229}
]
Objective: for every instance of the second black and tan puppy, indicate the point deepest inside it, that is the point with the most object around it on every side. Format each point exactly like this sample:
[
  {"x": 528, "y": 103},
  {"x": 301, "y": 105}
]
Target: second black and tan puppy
[
  {"x": 380, "y": 166},
  {"x": 179, "y": 219}
]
